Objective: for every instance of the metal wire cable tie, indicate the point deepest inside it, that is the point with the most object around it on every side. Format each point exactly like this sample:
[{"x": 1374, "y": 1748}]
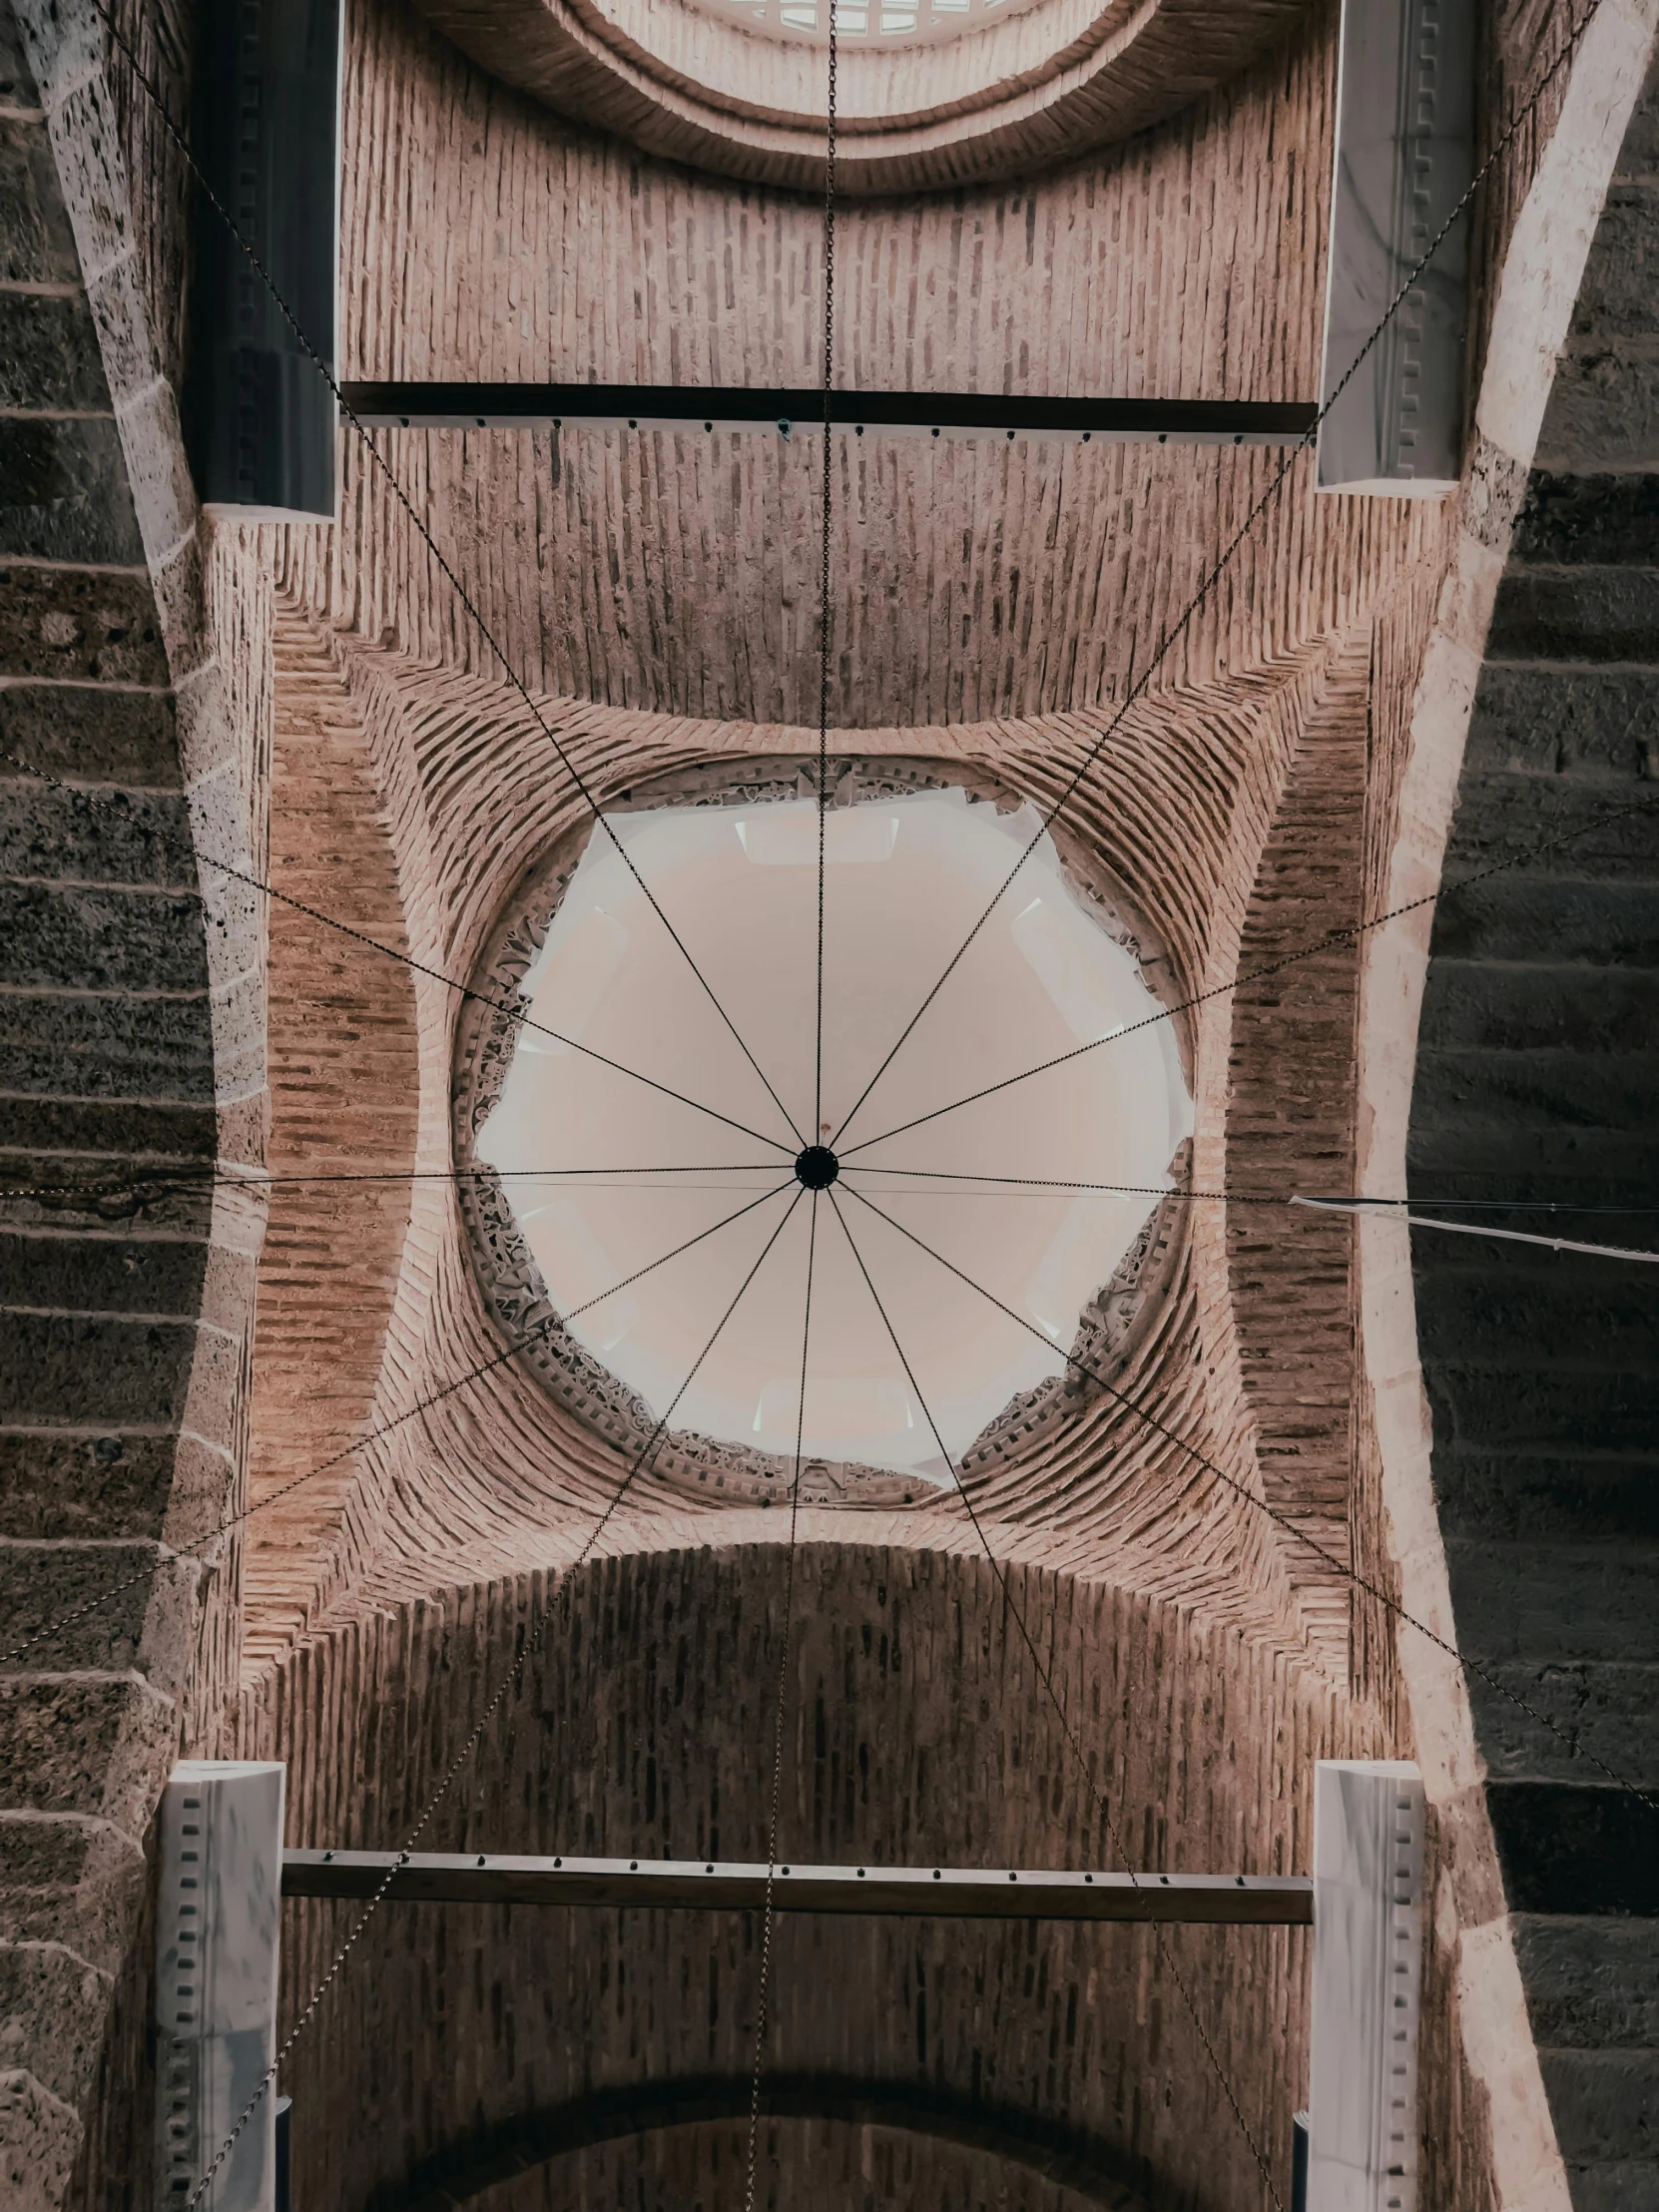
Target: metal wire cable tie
[
  {"x": 1139, "y": 688},
  {"x": 1280, "y": 1520},
  {"x": 153, "y": 93},
  {"x": 531, "y": 1645},
  {"x": 204, "y": 1544},
  {"x": 1047, "y": 1679}
]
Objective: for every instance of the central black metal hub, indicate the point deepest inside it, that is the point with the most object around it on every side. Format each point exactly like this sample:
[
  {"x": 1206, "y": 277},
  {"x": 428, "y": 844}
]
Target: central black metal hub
[{"x": 818, "y": 1167}]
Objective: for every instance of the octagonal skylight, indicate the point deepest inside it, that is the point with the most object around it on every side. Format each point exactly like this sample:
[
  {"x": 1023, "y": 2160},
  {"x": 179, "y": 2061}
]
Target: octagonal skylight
[
  {"x": 874, "y": 22},
  {"x": 606, "y": 1173}
]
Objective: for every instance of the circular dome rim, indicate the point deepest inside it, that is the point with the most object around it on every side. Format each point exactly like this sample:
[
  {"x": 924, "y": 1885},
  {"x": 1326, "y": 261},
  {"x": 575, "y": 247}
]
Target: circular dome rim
[
  {"x": 1110, "y": 67},
  {"x": 580, "y": 1387}
]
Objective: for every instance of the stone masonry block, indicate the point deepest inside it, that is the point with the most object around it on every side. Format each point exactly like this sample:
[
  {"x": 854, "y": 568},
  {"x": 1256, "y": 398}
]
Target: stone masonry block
[
  {"x": 80, "y": 938},
  {"x": 1581, "y": 1711},
  {"x": 92, "y": 732},
  {"x": 1590, "y": 1982},
  {"x": 66, "y": 1605},
  {"x": 92, "y": 1744},
  {"x": 1474, "y": 1006},
  {"x": 59, "y": 1487},
  {"x": 111, "y": 837},
  {"x": 81, "y": 625},
  {"x": 1588, "y": 518},
  {"x": 37, "y": 246},
  {"x": 1554, "y": 1603},
  {"x": 49, "y": 358},
  {"x": 1580, "y": 722},
  {"x": 1605, "y": 2103},
  {"x": 1582, "y": 612},
  {"x": 53, "y": 2005},
  {"x": 1619, "y": 297},
  {"x": 1604, "y": 408},
  {"x": 68, "y": 1880},
  {"x": 108, "y": 1273},
  {"x": 106, "y": 1045},
  {"x": 102, "y": 1133},
  {"x": 40, "y": 2136},
  {"x": 1544, "y": 828},
  {"x": 1612, "y": 925},
  {"x": 79, "y": 1371},
  {"x": 64, "y": 492}
]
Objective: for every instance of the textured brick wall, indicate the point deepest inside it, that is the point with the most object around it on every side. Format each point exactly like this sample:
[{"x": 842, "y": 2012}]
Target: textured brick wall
[{"x": 916, "y": 1730}]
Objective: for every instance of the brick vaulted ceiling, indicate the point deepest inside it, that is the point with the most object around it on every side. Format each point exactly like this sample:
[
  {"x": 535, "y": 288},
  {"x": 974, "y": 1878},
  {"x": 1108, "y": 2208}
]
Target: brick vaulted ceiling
[{"x": 657, "y": 596}]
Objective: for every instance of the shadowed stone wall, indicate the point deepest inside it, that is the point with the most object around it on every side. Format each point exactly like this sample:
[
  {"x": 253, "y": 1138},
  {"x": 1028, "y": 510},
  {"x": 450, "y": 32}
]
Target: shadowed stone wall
[
  {"x": 130, "y": 1049},
  {"x": 1538, "y": 1078}
]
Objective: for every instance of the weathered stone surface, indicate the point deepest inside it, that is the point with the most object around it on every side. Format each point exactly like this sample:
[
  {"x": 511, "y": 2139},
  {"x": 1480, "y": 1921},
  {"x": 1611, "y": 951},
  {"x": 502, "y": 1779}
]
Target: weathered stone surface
[
  {"x": 1582, "y": 612},
  {"x": 1606, "y": 2104},
  {"x": 101, "y": 836},
  {"x": 110, "y": 1484},
  {"x": 60, "y": 1999},
  {"x": 1589, "y": 1983},
  {"x": 1542, "y": 1493},
  {"x": 1590, "y": 1718},
  {"x": 49, "y": 357},
  {"x": 39, "y": 2138},
  {"x": 1575, "y": 1847},
  {"x": 79, "y": 1372},
  {"x": 1563, "y": 720},
  {"x": 111, "y": 1273},
  {"x": 1604, "y": 408},
  {"x": 1605, "y": 519},
  {"x": 1619, "y": 297},
  {"x": 1609, "y": 924},
  {"x": 92, "y": 733},
  {"x": 105, "y": 1586},
  {"x": 84, "y": 1743},
  {"x": 81, "y": 625},
  {"x": 77, "y": 937},
  {"x": 106, "y": 1045},
  {"x": 1555, "y": 1602},
  {"x": 63, "y": 490},
  {"x": 1542, "y": 1007},
  {"x": 37, "y": 246}
]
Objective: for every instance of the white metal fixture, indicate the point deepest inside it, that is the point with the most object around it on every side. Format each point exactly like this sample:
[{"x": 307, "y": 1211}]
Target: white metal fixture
[
  {"x": 1368, "y": 1965},
  {"x": 215, "y": 1982},
  {"x": 1404, "y": 154}
]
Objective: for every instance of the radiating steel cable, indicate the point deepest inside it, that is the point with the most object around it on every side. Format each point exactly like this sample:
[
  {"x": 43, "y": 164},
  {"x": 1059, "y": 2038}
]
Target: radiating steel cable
[
  {"x": 1280, "y": 1520},
  {"x": 777, "y": 1726},
  {"x": 532, "y": 1644},
  {"x": 825, "y": 608},
  {"x": 153, "y": 93},
  {"x": 372, "y": 1435},
  {"x": 1072, "y": 1739},
  {"x": 518, "y": 1015},
  {"x": 1306, "y": 951},
  {"x": 1138, "y": 689}
]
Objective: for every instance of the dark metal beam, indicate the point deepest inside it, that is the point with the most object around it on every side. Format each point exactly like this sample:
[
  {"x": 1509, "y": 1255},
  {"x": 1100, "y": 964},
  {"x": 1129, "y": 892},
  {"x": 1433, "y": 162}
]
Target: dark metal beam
[
  {"x": 948, "y": 1892},
  {"x": 799, "y": 410}
]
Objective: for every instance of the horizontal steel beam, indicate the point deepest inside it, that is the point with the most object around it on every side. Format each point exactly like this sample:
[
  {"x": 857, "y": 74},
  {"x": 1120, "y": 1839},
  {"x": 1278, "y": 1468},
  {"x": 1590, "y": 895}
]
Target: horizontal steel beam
[
  {"x": 799, "y": 410},
  {"x": 947, "y": 1892}
]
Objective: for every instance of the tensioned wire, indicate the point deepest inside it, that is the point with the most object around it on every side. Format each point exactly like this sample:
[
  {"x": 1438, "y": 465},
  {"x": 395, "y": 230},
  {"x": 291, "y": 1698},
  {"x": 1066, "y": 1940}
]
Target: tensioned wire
[
  {"x": 152, "y": 94},
  {"x": 1139, "y": 687},
  {"x": 372, "y": 1435},
  {"x": 519, "y": 1014},
  {"x": 766, "y": 1915},
  {"x": 1326, "y": 943},
  {"x": 1000, "y": 1575},
  {"x": 1280, "y": 1520},
  {"x": 532, "y": 1644}
]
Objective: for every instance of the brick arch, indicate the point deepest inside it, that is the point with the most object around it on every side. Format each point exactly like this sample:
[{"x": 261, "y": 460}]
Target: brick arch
[
  {"x": 671, "y": 2133},
  {"x": 918, "y": 1729}
]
